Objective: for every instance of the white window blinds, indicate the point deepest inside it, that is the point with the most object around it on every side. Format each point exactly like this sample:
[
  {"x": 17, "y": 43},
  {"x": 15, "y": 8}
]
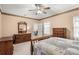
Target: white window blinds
[
  {"x": 76, "y": 27},
  {"x": 47, "y": 28}
]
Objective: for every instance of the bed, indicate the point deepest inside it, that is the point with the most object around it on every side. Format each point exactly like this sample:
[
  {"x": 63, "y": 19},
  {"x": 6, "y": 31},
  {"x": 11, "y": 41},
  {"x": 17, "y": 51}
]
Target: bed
[{"x": 56, "y": 46}]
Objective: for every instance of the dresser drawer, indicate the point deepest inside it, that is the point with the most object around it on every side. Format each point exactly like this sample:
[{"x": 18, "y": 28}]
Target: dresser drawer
[
  {"x": 19, "y": 38},
  {"x": 6, "y": 46}
]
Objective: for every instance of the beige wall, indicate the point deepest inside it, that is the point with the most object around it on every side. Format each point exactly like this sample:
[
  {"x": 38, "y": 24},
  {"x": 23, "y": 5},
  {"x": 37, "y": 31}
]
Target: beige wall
[
  {"x": 63, "y": 20},
  {"x": 9, "y": 24},
  {"x": 0, "y": 25}
]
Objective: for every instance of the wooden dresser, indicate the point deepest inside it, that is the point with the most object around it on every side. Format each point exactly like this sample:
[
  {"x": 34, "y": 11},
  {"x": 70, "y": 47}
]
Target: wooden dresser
[
  {"x": 6, "y": 46},
  {"x": 60, "y": 32},
  {"x": 19, "y": 38}
]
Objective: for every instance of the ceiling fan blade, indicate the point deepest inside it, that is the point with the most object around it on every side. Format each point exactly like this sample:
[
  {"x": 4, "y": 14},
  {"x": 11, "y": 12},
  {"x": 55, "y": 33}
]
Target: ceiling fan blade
[
  {"x": 38, "y": 5},
  {"x": 36, "y": 14},
  {"x": 44, "y": 12},
  {"x": 47, "y": 8},
  {"x": 31, "y": 10}
]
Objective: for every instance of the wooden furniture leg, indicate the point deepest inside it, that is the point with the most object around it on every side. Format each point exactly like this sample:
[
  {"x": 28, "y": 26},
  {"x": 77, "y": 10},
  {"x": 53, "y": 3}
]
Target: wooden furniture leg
[{"x": 31, "y": 48}]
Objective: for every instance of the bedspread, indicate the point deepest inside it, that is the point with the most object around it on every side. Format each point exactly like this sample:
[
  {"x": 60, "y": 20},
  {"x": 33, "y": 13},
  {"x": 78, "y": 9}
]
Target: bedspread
[{"x": 56, "y": 46}]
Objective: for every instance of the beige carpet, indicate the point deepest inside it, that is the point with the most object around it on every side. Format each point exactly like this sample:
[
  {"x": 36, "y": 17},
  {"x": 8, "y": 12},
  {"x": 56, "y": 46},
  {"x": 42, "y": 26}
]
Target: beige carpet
[{"x": 22, "y": 48}]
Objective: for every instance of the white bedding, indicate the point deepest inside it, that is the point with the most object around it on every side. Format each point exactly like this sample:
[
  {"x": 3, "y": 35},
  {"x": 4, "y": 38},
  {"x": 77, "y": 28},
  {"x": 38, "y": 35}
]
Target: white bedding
[
  {"x": 21, "y": 48},
  {"x": 56, "y": 46}
]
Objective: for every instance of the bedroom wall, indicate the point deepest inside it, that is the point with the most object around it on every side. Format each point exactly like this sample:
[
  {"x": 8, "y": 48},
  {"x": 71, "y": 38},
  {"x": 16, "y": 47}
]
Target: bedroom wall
[
  {"x": 0, "y": 26},
  {"x": 10, "y": 27},
  {"x": 63, "y": 20}
]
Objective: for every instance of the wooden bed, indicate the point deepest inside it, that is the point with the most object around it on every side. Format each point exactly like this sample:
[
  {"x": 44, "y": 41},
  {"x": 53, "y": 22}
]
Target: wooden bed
[
  {"x": 56, "y": 32},
  {"x": 59, "y": 32}
]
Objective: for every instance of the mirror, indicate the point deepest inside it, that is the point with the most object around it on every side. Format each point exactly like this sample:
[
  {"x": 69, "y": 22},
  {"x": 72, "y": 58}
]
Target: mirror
[{"x": 22, "y": 27}]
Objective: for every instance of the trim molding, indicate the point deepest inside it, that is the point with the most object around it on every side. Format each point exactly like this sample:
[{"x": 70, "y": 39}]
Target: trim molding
[
  {"x": 75, "y": 9},
  {"x": 18, "y": 16}
]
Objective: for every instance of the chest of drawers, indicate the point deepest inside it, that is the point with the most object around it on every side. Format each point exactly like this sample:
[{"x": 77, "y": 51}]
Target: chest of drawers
[
  {"x": 19, "y": 38},
  {"x": 6, "y": 46}
]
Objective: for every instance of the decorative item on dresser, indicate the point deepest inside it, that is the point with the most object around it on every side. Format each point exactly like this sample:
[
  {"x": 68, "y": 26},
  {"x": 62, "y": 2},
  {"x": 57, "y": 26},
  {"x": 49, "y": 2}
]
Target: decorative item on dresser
[
  {"x": 22, "y": 27},
  {"x": 6, "y": 46},
  {"x": 22, "y": 37},
  {"x": 60, "y": 32}
]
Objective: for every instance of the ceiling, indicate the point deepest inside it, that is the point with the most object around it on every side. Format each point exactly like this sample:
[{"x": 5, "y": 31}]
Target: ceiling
[{"x": 22, "y": 9}]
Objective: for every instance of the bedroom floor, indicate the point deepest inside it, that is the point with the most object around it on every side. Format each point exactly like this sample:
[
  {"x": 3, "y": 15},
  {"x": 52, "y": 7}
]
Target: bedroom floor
[{"x": 22, "y": 49}]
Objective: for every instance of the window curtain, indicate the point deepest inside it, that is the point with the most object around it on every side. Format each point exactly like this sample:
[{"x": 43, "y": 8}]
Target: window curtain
[
  {"x": 76, "y": 27},
  {"x": 47, "y": 28},
  {"x": 43, "y": 28}
]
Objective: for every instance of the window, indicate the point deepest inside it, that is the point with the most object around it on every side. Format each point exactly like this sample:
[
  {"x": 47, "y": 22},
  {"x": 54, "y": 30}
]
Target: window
[
  {"x": 35, "y": 27},
  {"x": 76, "y": 27},
  {"x": 43, "y": 28},
  {"x": 47, "y": 28}
]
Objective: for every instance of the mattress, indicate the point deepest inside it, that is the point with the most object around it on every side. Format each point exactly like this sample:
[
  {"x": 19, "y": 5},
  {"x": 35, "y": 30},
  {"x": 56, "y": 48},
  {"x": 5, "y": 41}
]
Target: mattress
[{"x": 56, "y": 46}]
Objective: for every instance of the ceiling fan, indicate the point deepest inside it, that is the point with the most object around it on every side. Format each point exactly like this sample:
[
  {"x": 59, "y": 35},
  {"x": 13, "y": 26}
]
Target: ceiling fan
[{"x": 41, "y": 8}]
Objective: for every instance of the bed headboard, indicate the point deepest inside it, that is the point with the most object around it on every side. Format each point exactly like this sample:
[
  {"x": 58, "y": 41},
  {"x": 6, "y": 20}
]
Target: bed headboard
[{"x": 59, "y": 32}]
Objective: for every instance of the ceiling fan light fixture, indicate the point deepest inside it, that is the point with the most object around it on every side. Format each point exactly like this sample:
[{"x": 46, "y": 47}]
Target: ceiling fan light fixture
[
  {"x": 41, "y": 9},
  {"x": 39, "y": 12}
]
